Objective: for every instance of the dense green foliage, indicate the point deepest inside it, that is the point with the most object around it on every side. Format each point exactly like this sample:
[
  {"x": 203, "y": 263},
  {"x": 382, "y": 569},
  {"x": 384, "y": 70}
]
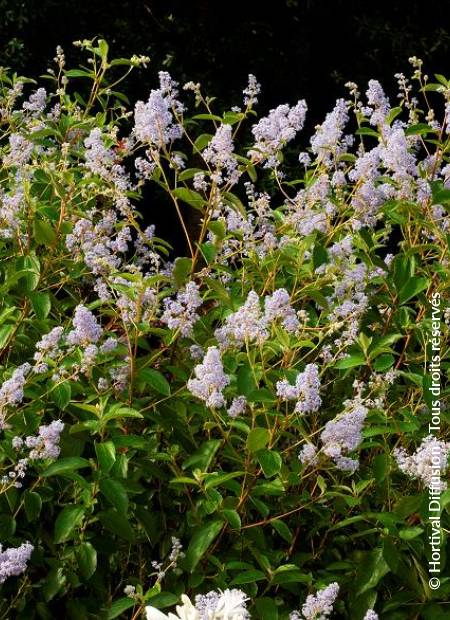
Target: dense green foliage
[{"x": 145, "y": 454}]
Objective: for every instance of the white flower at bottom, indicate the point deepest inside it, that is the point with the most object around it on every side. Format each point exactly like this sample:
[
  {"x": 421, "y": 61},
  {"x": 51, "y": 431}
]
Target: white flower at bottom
[
  {"x": 226, "y": 605},
  {"x": 186, "y": 611},
  {"x": 154, "y": 614},
  {"x": 231, "y": 605}
]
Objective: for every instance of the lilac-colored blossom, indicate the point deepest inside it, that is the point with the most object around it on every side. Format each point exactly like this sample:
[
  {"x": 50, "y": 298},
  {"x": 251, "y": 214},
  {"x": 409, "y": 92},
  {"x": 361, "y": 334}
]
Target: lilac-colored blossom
[
  {"x": 154, "y": 120},
  {"x": 318, "y": 606},
  {"x": 325, "y": 142},
  {"x": 237, "y": 407},
  {"x": 244, "y": 325},
  {"x": 275, "y": 130},
  {"x": 379, "y": 102},
  {"x": 12, "y": 390},
  {"x": 308, "y": 455},
  {"x": 86, "y": 328},
  {"x": 210, "y": 380},
  {"x": 251, "y": 91},
  {"x": 20, "y": 150},
  {"x": 343, "y": 435},
  {"x": 45, "y": 445},
  {"x": 427, "y": 464},
  {"x": 181, "y": 312},
  {"x": 13, "y": 561},
  {"x": 305, "y": 391},
  {"x": 219, "y": 153},
  {"x": 278, "y": 307}
]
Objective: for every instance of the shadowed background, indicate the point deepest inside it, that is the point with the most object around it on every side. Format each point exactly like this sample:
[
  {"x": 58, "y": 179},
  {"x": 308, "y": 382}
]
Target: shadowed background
[{"x": 296, "y": 48}]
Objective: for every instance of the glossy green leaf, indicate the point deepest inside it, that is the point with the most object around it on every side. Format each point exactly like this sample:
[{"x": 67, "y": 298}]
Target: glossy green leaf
[
  {"x": 257, "y": 439},
  {"x": 68, "y": 519},
  {"x": 155, "y": 380},
  {"x": 115, "y": 493},
  {"x": 106, "y": 455},
  {"x": 87, "y": 559},
  {"x": 270, "y": 462},
  {"x": 65, "y": 465},
  {"x": 200, "y": 542}
]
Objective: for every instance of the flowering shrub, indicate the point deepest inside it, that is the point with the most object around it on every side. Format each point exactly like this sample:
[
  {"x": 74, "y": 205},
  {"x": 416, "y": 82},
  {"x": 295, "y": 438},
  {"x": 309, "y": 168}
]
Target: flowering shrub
[{"x": 248, "y": 427}]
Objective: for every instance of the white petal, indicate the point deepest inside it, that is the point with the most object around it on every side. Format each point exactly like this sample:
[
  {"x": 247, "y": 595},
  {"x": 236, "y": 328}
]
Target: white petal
[
  {"x": 187, "y": 611},
  {"x": 155, "y": 614}
]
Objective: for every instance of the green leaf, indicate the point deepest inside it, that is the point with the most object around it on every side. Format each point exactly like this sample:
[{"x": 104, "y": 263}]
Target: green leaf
[
  {"x": 218, "y": 228},
  {"x": 187, "y": 174},
  {"x": 409, "y": 533},
  {"x": 156, "y": 380},
  {"x": 262, "y": 395},
  {"x": 249, "y": 576},
  {"x": 117, "y": 412},
  {"x": 366, "y": 131},
  {"x": 231, "y": 118},
  {"x": 419, "y": 129},
  {"x": 441, "y": 195},
  {"x": 181, "y": 270},
  {"x": 408, "y": 505},
  {"x": 119, "y": 606},
  {"x": 207, "y": 117},
  {"x": 117, "y": 523},
  {"x": 384, "y": 362},
  {"x": 33, "y": 504},
  {"x": 442, "y": 79},
  {"x": 257, "y": 439},
  {"x": 290, "y": 573},
  {"x": 163, "y": 599},
  {"x": 53, "y": 583},
  {"x": 216, "y": 479},
  {"x": 65, "y": 465},
  {"x": 203, "y": 456},
  {"x": 209, "y": 252},
  {"x": 282, "y": 529},
  {"x": 393, "y": 114},
  {"x": 233, "y": 518},
  {"x": 320, "y": 255},
  {"x": 201, "y": 540},
  {"x": 87, "y": 559},
  {"x": 270, "y": 462},
  {"x": 201, "y": 141},
  {"x": 7, "y": 526},
  {"x": 184, "y": 480},
  {"x": 29, "y": 269},
  {"x": 266, "y": 608},
  {"x": 272, "y": 487},
  {"x": 103, "y": 49},
  {"x": 115, "y": 493},
  {"x": 391, "y": 553},
  {"x": 355, "y": 359},
  {"x": 61, "y": 394},
  {"x": 411, "y": 288},
  {"x": 67, "y": 521},
  {"x": 192, "y": 198},
  {"x": 43, "y": 233},
  {"x": 78, "y": 73},
  {"x": 41, "y": 304},
  {"x": 106, "y": 455},
  {"x": 6, "y": 331},
  {"x": 371, "y": 570},
  {"x": 380, "y": 467},
  {"x": 246, "y": 380},
  {"x": 381, "y": 345}
]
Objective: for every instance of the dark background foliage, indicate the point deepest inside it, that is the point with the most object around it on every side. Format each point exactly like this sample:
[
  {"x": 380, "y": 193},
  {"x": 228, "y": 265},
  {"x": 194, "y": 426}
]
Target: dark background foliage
[{"x": 297, "y": 48}]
